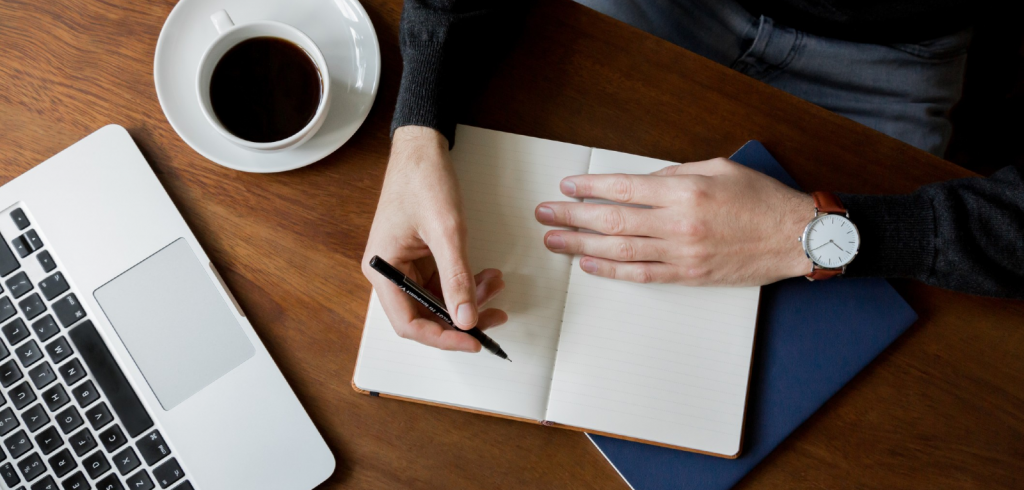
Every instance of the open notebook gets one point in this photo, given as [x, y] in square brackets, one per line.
[662, 364]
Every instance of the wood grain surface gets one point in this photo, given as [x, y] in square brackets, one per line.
[942, 408]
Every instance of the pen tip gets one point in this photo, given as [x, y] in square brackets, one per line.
[507, 359]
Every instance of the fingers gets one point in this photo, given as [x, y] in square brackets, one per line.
[457, 282]
[603, 218]
[715, 166]
[488, 284]
[625, 188]
[620, 248]
[642, 272]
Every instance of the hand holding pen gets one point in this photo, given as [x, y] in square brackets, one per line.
[489, 284]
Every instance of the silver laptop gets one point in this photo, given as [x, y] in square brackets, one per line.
[125, 364]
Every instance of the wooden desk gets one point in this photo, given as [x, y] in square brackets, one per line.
[942, 408]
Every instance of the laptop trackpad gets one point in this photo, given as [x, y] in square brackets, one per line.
[179, 330]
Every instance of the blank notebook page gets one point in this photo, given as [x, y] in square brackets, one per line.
[503, 177]
[657, 362]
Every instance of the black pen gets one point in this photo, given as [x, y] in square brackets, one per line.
[432, 303]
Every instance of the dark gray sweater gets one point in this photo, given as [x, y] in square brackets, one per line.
[965, 235]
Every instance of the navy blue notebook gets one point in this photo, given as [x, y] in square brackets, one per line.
[811, 339]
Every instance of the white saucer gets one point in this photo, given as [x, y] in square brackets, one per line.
[340, 28]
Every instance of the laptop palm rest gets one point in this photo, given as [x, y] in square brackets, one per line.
[175, 323]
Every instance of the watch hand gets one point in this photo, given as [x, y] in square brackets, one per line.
[837, 246]
[819, 246]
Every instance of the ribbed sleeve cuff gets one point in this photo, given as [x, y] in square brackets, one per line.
[897, 235]
[420, 97]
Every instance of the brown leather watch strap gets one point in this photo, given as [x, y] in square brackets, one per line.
[822, 274]
[827, 202]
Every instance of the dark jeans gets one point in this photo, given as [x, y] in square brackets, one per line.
[903, 90]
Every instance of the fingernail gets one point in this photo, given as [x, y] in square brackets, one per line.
[465, 315]
[545, 214]
[568, 187]
[556, 242]
[589, 266]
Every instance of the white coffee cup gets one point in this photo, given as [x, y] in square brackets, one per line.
[230, 35]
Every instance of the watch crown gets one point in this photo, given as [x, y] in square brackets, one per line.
[800, 239]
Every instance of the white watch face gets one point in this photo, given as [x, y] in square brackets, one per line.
[831, 240]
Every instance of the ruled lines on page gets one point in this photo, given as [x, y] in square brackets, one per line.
[657, 362]
[502, 178]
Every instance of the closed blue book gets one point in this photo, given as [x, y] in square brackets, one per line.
[812, 338]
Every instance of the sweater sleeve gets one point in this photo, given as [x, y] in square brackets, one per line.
[445, 45]
[965, 234]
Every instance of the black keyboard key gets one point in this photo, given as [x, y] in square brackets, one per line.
[8, 421]
[53, 286]
[59, 350]
[96, 464]
[139, 481]
[72, 372]
[76, 482]
[46, 483]
[46, 261]
[68, 310]
[28, 353]
[6, 309]
[32, 306]
[21, 246]
[15, 331]
[30, 240]
[10, 475]
[8, 263]
[49, 440]
[85, 394]
[110, 482]
[42, 375]
[56, 398]
[69, 419]
[18, 444]
[35, 418]
[185, 485]
[31, 467]
[45, 328]
[22, 395]
[126, 461]
[3, 351]
[153, 448]
[99, 416]
[9, 373]
[82, 442]
[62, 463]
[168, 473]
[20, 219]
[110, 378]
[19, 285]
[112, 438]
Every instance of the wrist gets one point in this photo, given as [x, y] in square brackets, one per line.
[798, 214]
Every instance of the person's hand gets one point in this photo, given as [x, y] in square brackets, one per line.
[419, 228]
[709, 223]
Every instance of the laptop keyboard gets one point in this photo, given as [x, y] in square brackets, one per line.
[69, 419]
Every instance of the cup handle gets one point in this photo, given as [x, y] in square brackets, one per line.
[222, 21]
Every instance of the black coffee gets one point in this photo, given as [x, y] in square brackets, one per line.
[265, 89]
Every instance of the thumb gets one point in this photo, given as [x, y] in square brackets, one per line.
[457, 282]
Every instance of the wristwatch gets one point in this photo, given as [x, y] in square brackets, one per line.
[830, 240]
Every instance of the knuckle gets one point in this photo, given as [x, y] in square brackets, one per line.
[451, 226]
[623, 188]
[625, 251]
[691, 228]
[613, 221]
[643, 275]
[568, 217]
[460, 280]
